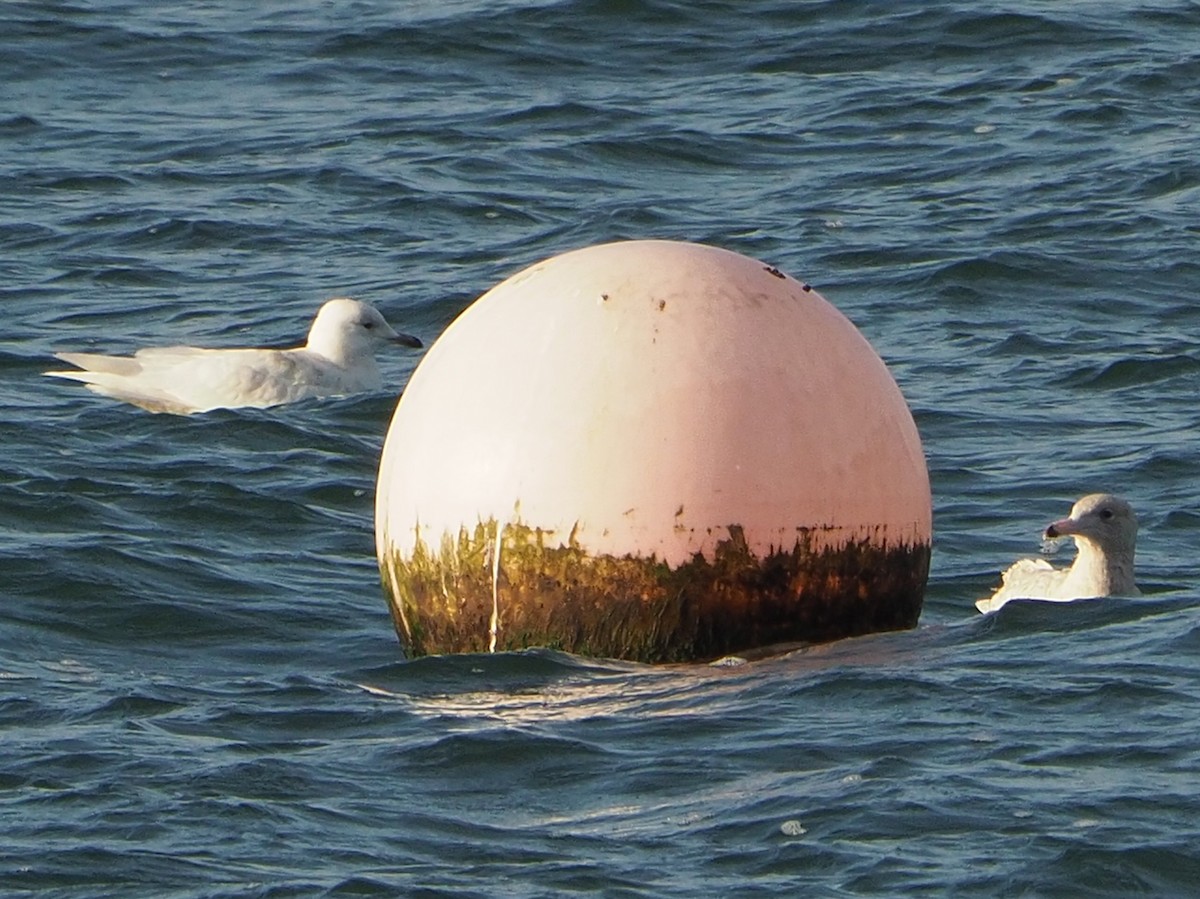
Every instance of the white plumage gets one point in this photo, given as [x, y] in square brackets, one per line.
[338, 359]
[1105, 531]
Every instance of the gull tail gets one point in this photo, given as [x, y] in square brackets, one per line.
[123, 366]
[116, 377]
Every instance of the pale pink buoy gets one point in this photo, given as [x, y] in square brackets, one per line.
[651, 450]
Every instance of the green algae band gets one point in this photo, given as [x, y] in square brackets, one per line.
[462, 598]
[656, 451]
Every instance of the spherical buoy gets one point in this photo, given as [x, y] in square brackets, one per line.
[656, 451]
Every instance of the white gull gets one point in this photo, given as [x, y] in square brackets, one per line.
[1105, 531]
[338, 359]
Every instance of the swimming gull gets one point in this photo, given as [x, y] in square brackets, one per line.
[338, 359]
[1105, 531]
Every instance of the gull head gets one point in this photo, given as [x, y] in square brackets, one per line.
[1101, 519]
[346, 329]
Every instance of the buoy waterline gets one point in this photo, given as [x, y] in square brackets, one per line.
[655, 451]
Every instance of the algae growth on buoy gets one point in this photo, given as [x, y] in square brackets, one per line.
[655, 451]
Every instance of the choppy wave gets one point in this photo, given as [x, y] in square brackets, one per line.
[200, 690]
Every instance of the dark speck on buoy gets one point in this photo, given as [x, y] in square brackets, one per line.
[662, 304]
[774, 271]
[806, 287]
[604, 297]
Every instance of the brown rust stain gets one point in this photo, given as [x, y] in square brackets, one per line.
[559, 596]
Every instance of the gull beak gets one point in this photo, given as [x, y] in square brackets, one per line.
[1064, 527]
[406, 340]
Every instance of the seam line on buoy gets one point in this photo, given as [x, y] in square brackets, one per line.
[494, 626]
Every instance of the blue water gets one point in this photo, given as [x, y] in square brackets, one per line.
[201, 694]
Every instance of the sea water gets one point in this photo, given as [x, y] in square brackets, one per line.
[201, 694]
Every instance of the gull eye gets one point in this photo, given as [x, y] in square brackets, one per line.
[1106, 514]
[370, 325]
